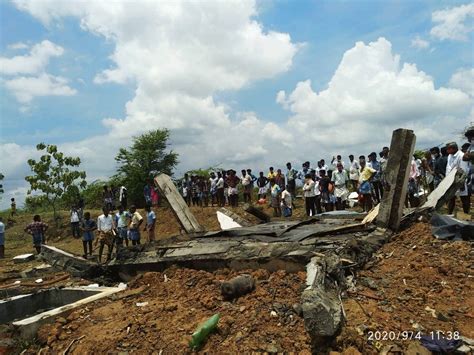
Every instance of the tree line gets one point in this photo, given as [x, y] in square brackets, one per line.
[56, 181]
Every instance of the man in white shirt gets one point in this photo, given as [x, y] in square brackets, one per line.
[106, 233]
[246, 181]
[123, 196]
[454, 162]
[354, 172]
[220, 190]
[340, 179]
[213, 188]
[309, 196]
[76, 233]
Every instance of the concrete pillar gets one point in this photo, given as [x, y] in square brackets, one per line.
[396, 176]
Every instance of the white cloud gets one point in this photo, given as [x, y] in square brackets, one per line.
[370, 94]
[32, 63]
[26, 88]
[27, 76]
[463, 80]
[180, 54]
[18, 46]
[453, 23]
[419, 43]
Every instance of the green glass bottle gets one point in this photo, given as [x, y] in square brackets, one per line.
[202, 332]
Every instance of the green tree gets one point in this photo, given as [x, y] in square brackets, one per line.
[147, 157]
[53, 174]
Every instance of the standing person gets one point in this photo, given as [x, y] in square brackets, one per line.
[354, 172]
[122, 219]
[154, 194]
[291, 175]
[309, 195]
[412, 184]
[150, 223]
[438, 172]
[233, 182]
[427, 173]
[271, 174]
[186, 188]
[340, 179]
[442, 162]
[88, 227]
[326, 187]
[38, 230]
[80, 207]
[74, 214]
[252, 183]
[220, 190]
[134, 227]
[336, 160]
[147, 193]
[280, 180]
[455, 161]
[365, 189]
[304, 171]
[376, 181]
[246, 181]
[113, 193]
[195, 192]
[204, 187]
[105, 230]
[123, 197]
[2, 239]
[107, 196]
[213, 188]
[262, 182]
[226, 187]
[323, 165]
[286, 203]
[275, 193]
[12, 207]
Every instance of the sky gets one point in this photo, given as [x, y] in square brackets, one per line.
[239, 84]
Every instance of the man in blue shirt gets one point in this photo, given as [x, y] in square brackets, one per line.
[150, 223]
[88, 226]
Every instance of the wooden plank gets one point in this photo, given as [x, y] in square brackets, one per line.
[179, 207]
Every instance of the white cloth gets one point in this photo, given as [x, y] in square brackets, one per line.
[105, 224]
[74, 217]
[317, 192]
[213, 183]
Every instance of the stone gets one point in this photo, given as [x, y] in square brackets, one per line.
[415, 348]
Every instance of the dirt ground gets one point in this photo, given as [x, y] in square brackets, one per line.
[414, 283]
[410, 273]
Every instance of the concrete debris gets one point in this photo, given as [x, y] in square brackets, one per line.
[23, 258]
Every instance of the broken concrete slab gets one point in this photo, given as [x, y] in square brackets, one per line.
[446, 189]
[257, 212]
[178, 205]
[63, 260]
[396, 177]
[62, 300]
[23, 258]
[242, 222]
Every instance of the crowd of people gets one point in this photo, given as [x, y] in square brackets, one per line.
[327, 187]
[323, 188]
